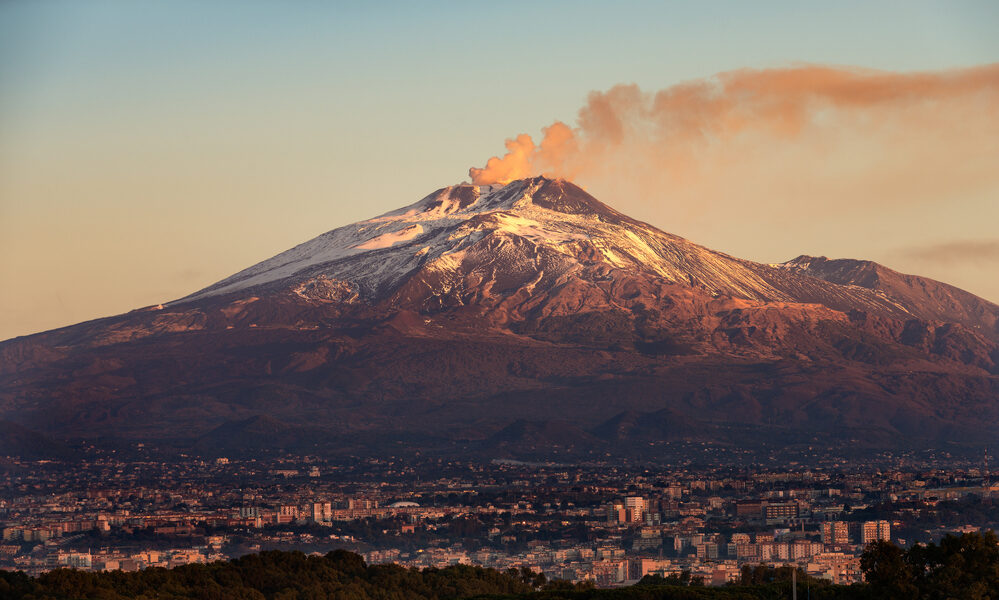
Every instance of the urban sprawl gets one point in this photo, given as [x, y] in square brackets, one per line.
[599, 521]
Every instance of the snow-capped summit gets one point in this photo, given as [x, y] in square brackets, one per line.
[375, 253]
[487, 242]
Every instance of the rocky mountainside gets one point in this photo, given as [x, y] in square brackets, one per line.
[527, 316]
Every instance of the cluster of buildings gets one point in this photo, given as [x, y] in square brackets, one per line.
[115, 560]
[640, 540]
[607, 523]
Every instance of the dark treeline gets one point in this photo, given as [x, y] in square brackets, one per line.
[279, 576]
[960, 566]
[964, 567]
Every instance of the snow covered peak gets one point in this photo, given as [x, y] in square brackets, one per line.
[470, 225]
[342, 252]
[556, 195]
[466, 240]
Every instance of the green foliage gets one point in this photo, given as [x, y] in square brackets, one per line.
[682, 579]
[14, 584]
[562, 585]
[961, 567]
[887, 570]
[270, 575]
[766, 574]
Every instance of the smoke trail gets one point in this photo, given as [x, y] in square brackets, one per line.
[670, 132]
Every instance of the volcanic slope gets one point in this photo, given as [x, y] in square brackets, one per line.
[444, 323]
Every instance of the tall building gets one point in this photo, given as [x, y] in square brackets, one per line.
[875, 530]
[707, 550]
[640, 567]
[635, 505]
[835, 532]
[749, 508]
[249, 512]
[616, 513]
[322, 512]
[780, 511]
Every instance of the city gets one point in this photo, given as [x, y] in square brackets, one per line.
[606, 523]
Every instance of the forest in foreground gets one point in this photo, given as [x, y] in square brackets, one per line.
[962, 567]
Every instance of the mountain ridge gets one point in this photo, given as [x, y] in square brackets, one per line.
[478, 307]
[331, 261]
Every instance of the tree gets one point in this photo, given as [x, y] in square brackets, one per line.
[888, 571]
[960, 567]
[682, 579]
[347, 562]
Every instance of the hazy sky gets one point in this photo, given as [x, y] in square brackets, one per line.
[148, 149]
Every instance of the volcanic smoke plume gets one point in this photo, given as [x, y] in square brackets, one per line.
[678, 132]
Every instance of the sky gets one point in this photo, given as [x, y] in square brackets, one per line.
[149, 149]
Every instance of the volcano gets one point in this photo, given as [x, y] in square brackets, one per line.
[529, 315]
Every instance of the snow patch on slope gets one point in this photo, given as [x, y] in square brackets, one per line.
[392, 238]
[533, 229]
